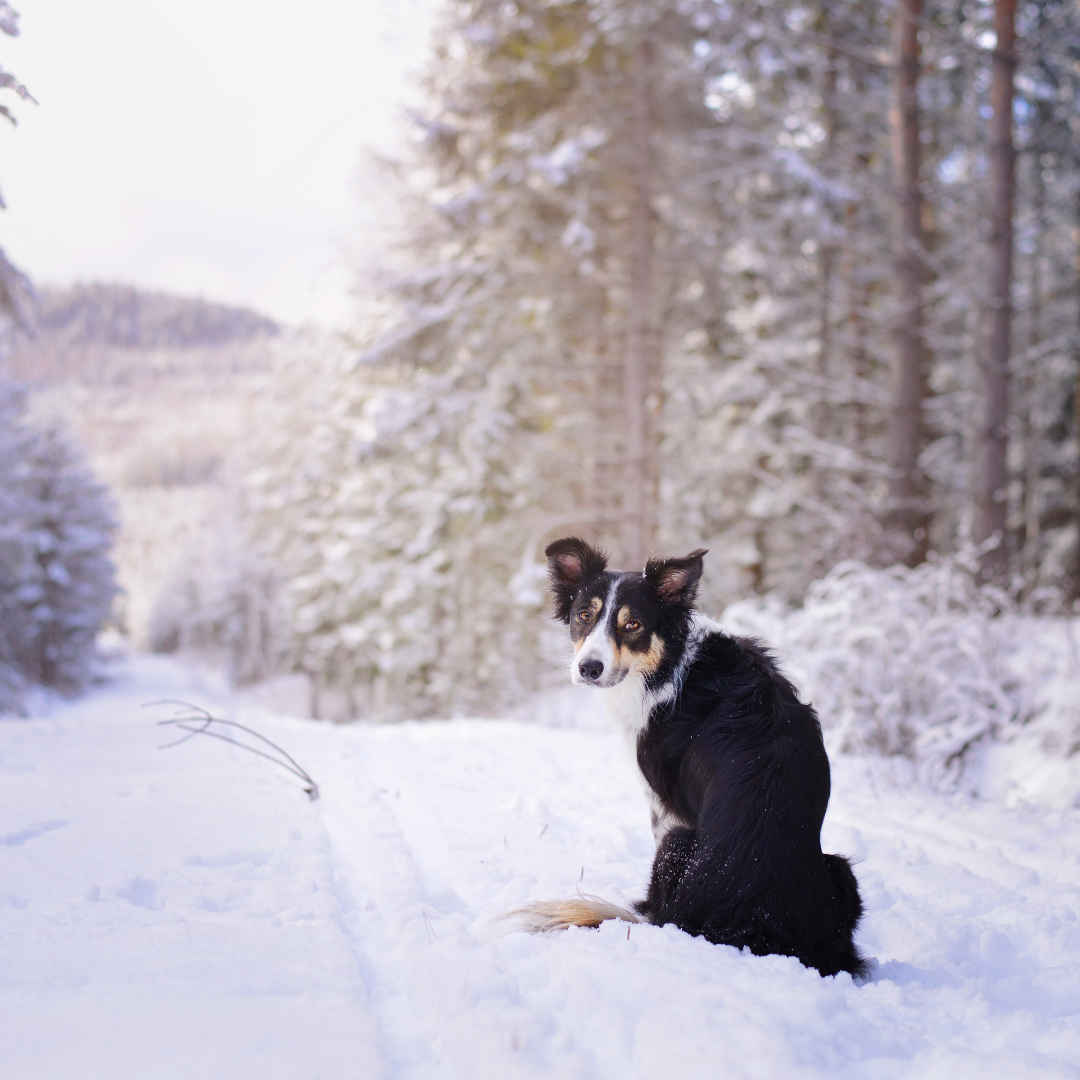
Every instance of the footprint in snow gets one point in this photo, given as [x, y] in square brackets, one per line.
[17, 839]
[142, 893]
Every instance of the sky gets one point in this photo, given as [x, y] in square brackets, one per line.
[210, 147]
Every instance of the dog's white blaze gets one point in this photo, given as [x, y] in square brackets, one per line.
[599, 644]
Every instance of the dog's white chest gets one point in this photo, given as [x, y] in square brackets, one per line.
[627, 707]
[627, 710]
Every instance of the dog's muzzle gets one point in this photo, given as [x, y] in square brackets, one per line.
[595, 672]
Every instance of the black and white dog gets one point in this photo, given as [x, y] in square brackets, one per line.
[736, 770]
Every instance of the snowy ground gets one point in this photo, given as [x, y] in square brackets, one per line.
[190, 913]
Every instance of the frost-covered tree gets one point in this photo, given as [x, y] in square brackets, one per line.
[56, 580]
[658, 225]
[490, 409]
[15, 289]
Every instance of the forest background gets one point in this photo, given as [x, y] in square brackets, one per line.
[793, 282]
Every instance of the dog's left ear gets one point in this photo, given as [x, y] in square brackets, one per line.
[677, 579]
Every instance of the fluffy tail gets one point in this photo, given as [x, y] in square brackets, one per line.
[543, 916]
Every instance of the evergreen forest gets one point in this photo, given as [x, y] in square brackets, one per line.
[793, 282]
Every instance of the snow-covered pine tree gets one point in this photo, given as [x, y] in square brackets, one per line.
[15, 289]
[1043, 536]
[490, 412]
[15, 440]
[774, 424]
[56, 580]
[1040, 544]
[490, 409]
[798, 400]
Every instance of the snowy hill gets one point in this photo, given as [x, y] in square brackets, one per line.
[97, 334]
[190, 912]
[158, 390]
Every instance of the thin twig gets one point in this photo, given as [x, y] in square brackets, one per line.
[205, 719]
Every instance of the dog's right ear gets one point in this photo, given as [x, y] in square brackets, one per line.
[571, 561]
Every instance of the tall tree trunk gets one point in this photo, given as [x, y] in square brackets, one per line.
[639, 345]
[990, 491]
[1032, 503]
[1074, 591]
[907, 513]
[827, 254]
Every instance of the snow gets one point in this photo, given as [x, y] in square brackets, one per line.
[189, 912]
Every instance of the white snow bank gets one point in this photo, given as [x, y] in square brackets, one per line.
[190, 913]
[923, 664]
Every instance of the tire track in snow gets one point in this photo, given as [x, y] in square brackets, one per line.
[446, 1002]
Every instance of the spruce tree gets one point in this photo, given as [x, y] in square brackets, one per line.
[56, 579]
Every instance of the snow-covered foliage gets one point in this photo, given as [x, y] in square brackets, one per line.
[365, 540]
[923, 663]
[16, 291]
[56, 578]
[381, 534]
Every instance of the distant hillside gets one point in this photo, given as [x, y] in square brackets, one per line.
[130, 318]
[106, 333]
[160, 390]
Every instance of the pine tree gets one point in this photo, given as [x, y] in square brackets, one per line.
[56, 580]
[659, 225]
[15, 289]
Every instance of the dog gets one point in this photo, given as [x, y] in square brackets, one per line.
[734, 765]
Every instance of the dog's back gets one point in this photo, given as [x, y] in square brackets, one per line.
[739, 762]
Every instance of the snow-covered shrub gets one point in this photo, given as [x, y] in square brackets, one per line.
[56, 579]
[373, 538]
[900, 661]
[223, 602]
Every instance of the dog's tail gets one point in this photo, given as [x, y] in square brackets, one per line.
[543, 916]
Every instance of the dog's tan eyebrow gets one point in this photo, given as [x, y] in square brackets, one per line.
[595, 604]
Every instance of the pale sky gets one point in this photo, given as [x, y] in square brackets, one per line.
[205, 147]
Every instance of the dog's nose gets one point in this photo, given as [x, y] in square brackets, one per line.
[591, 669]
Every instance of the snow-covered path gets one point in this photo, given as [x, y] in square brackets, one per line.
[191, 913]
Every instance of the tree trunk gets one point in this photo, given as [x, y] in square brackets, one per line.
[1074, 591]
[827, 254]
[635, 508]
[906, 509]
[990, 491]
[1032, 503]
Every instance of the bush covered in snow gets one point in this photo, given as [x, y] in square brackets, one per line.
[922, 663]
[369, 539]
[56, 578]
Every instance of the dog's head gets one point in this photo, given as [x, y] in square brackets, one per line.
[621, 623]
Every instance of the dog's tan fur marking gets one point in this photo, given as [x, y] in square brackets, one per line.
[643, 663]
[655, 654]
[595, 604]
[545, 916]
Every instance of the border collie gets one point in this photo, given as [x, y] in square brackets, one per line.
[734, 764]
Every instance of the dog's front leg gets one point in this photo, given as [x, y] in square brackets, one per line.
[673, 856]
[662, 819]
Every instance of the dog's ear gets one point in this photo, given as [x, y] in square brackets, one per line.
[677, 579]
[571, 561]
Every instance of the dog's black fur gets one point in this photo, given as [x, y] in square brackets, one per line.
[735, 760]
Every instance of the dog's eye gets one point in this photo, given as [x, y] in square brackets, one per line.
[584, 616]
[632, 624]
